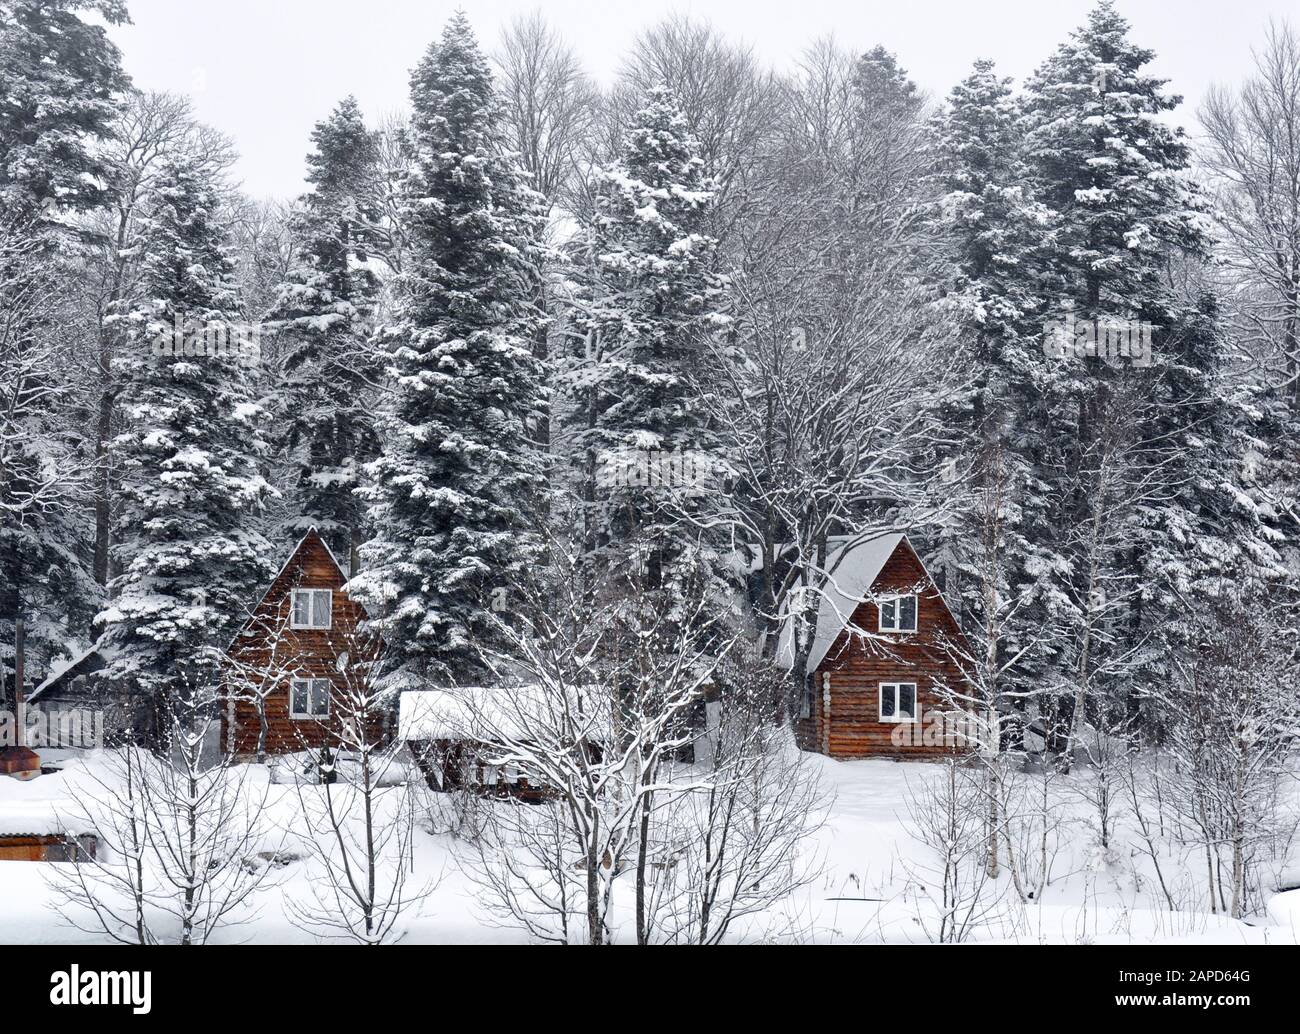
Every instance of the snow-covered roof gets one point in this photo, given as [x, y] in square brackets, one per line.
[852, 569]
[435, 714]
[481, 713]
[90, 659]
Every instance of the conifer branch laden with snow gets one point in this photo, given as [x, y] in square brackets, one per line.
[449, 496]
[189, 453]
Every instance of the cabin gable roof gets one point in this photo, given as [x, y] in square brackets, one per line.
[855, 574]
[310, 565]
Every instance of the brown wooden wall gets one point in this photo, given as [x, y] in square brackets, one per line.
[301, 653]
[857, 667]
[40, 848]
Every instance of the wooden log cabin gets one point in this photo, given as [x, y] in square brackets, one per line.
[882, 657]
[299, 662]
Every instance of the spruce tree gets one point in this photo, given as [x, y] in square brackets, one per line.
[43, 516]
[191, 562]
[1121, 446]
[988, 217]
[655, 300]
[59, 80]
[451, 497]
[324, 312]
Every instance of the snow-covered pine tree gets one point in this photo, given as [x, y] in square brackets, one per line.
[1111, 171]
[324, 312]
[655, 298]
[1212, 539]
[191, 564]
[988, 221]
[1119, 443]
[451, 497]
[1108, 172]
[43, 469]
[59, 78]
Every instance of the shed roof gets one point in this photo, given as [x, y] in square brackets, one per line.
[488, 713]
[87, 661]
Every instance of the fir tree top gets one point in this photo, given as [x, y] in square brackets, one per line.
[184, 257]
[451, 90]
[1109, 166]
[58, 81]
[467, 207]
[651, 208]
[344, 151]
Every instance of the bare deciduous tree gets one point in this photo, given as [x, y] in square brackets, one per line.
[550, 104]
[729, 100]
[1232, 711]
[179, 839]
[605, 693]
[110, 893]
[1252, 153]
[741, 844]
[203, 817]
[361, 810]
[946, 818]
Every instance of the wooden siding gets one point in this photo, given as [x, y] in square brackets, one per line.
[852, 727]
[301, 653]
[44, 848]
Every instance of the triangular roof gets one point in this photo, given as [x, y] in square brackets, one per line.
[95, 657]
[90, 660]
[853, 568]
[311, 533]
[311, 538]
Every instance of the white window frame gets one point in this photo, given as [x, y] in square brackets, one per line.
[313, 595]
[311, 689]
[898, 612]
[897, 718]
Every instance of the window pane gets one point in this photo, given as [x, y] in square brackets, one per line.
[321, 696]
[907, 700]
[907, 614]
[321, 619]
[887, 701]
[298, 697]
[888, 617]
[301, 607]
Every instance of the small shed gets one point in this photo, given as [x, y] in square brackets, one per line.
[82, 709]
[452, 733]
[47, 847]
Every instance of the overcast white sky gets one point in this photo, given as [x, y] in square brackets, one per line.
[264, 71]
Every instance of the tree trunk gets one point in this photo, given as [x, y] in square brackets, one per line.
[642, 854]
[993, 818]
[103, 488]
[595, 927]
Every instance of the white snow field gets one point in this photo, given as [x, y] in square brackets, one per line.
[875, 882]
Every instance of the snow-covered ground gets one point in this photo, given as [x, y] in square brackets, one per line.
[875, 881]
